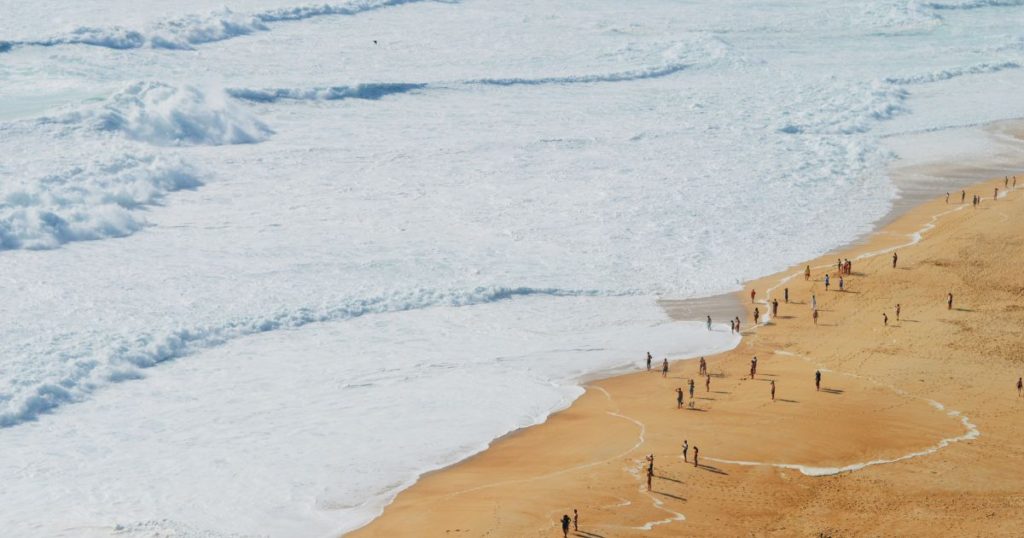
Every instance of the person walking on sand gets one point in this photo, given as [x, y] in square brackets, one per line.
[649, 357]
[807, 273]
[815, 316]
[575, 520]
[686, 448]
[827, 282]
[650, 475]
[897, 311]
[947, 197]
[1020, 387]
[664, 367]
[839, 266]
[785, 295]
[963, 195]
[775, 308]
[995, 195]
[842, 284]
[679, 398]
[703, 366]
[817, 380]
[707, 383]
[753, 293]
[757, 316]
[565, 525]
[709, 323]
[814, 302]
[885, 319]
[692, 384]
[773, 390]
[696, 453]
[949, 301]
[895, 257]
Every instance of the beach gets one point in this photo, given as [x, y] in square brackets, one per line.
[915, 429]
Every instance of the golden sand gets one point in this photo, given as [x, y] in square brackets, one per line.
[917, 429]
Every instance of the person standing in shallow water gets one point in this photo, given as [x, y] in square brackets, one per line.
[817, 380]
[709, 323]
[649, 357]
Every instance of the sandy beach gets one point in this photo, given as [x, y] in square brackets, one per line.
[915, 430]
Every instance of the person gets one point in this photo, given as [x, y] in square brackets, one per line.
[709, 323]
[1020, 387]
[650, 463]
[815, 316]
[785, 295]
[707, 383]
[839, 266]
[692, 384]
[949, 301]
[842, 284]
[664, 367]
[703, 366]
[649, 357]
[1006, 181]
[814, 302]
[775, 308]
[737, 324]
[947, 197]
[686, 448]
[817, 380]
[757, 316]
[963, 194]
[679, 398]
[773, 390]
[696, 452]
[752, 294]
[732, 326]
[575, 520]
[565, 525]
[995, 195]
[894, 258]
[807, 273]
[755, 364]
[827, 282]
[650, 475]
[897, 311]
[753, 367]
[885, 319]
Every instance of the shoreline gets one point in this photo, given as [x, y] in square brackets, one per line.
[883, 238]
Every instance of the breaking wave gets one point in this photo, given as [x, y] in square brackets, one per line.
[98, 200]
[946, 74]
[165, 115]
[75, 377]
[186, 32]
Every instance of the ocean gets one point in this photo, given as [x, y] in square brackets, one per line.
[263, 265]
